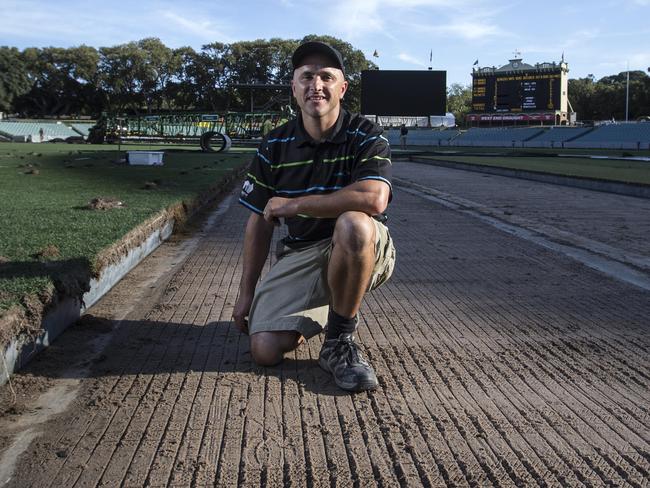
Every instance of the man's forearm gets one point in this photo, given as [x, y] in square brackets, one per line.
[334, 204]
[370, 197]
[257, 241]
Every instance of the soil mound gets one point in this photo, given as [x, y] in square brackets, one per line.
[105, 203]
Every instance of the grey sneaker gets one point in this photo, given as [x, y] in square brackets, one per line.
[350, 370]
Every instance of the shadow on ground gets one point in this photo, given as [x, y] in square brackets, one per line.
[162, 348]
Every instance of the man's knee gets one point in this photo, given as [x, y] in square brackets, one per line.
[354, 232]
[268, 348]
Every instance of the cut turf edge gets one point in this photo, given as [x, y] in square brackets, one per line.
[27, 329]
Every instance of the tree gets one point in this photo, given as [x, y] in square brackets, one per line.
[63, 80]
[459, 101]
[14, 78]
[158, 66]
[180, 91]
[581, 95]
[119, 78]
[134, 75]
[605, 99]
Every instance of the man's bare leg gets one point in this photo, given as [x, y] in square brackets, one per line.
[348, 274]
[269, 348]
[349, 271]
[351, 262]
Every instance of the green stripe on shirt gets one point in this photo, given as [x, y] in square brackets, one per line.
[310, 161]
[375, 157]
[259, 182]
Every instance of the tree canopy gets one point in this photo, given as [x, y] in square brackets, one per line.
[605, 98]
[146, 76]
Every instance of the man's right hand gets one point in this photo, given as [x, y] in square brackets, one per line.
[241, 311]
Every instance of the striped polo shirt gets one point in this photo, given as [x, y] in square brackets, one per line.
[289, 163]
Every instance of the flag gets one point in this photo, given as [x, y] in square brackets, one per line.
[431, 56]
[475, 63]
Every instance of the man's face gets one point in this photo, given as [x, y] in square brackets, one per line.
[318, 87]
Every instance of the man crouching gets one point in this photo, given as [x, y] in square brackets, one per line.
[327, 174]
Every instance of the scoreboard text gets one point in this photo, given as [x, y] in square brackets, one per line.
[516, 93]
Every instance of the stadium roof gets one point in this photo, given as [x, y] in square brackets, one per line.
[515, 65]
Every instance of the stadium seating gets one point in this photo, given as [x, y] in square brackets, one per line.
[29, 131]
[498, 137]
[422, 137]
[556, 137]
[82, 128]
[615, 136]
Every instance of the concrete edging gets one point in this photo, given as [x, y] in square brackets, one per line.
[620, 188]
[22, 349]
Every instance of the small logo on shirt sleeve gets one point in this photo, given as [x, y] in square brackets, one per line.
[247, 188]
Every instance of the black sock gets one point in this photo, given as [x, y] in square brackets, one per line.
[337, 325]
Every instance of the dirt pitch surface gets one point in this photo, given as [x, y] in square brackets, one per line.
[501, 363]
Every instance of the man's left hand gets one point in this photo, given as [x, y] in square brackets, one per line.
[279, 207]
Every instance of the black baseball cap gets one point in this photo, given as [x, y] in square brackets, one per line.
[316, 47]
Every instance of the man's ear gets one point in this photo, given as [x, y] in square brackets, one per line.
[344, 88]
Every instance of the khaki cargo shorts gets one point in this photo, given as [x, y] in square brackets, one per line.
[294, 295]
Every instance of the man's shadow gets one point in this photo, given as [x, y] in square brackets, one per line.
[95, 347]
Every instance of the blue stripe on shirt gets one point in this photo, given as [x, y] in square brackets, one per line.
[379, 178]
[251, 207]
[307, 190]
[277, 139]
[356, 131]
[372, 139]
[264, 158]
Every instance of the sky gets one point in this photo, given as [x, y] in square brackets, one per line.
[599, 37]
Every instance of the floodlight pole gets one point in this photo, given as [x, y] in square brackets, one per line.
[627, 92]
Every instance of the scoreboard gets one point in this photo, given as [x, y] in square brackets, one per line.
[511, 92]
[396, 92]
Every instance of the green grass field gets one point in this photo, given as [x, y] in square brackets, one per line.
[532, 151]
[46, 228]
[604, 169]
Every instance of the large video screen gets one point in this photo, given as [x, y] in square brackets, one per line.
[403, 92]
[516, 93]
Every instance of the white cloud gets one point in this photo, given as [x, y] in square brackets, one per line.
[359, 18]
[362, 17]
[471, 30]
[200, 29]
[407, 58]
[640, 60]
[581, 37]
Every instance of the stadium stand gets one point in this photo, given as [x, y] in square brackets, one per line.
[615, 136]
[556, 137]
[82, 129]
[29, 131]
[422, 137]
[498, 137]
[392, 121]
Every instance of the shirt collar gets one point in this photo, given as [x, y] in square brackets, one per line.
[337, 136]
